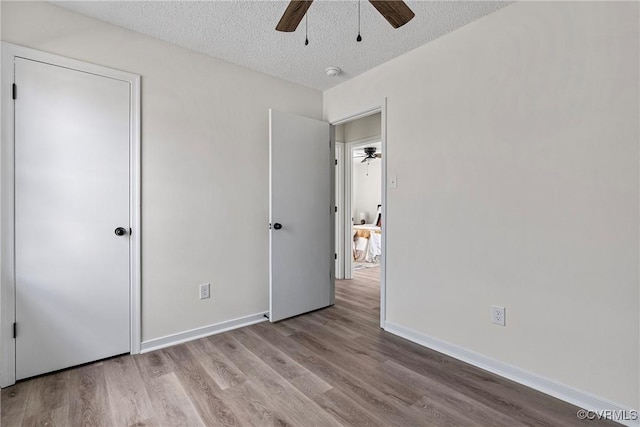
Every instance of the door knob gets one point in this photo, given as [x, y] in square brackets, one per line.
[120, 231]
[277, 226]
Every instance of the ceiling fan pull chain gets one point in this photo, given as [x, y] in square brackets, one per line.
[396, 12]
[359, 38]
[306, 29]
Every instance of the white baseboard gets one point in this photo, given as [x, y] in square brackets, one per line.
[205, 331]
[553, 388]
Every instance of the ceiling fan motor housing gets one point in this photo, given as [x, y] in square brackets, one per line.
[370, 152]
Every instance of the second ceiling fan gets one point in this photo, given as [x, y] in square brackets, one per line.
[396, 12]
[369, 154]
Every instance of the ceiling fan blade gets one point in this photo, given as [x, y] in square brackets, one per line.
[396, 12]
[364, 160]
[293, 15]
[379, 155]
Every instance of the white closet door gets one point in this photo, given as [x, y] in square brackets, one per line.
[71, 193]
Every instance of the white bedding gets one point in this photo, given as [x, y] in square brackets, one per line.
[367, 243]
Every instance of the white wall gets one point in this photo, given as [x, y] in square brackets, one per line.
[204, 163]
[362, 128]
[367, 194]
[366, 189]
[339, 133]
[365, 127]
[515, 143]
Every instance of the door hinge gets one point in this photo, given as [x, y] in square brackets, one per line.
[130, 231]
[335, 209]
[335, 256]
[15, 91]
[14, 329]
[336, 162]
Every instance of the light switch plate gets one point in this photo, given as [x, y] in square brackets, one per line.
[204, 290]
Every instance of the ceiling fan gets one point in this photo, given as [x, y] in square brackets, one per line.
[369, 154]
[396, 12]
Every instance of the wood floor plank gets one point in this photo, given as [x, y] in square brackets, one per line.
[303, 379]
[360, 353]
[48, 393]
[310, 384]
[14, 401]
[13, 419]
[90, 403]
[436, 416]
[299, 323]
[146, 423]
[283, 328]
[359, 309]
[350, 346]
[171, 404]
[297, 406]
[350, 321]
[346, 409]
[385, 406]
[217, 365]
[365, 366]
[254, 408]
[336, 327]
[331, 367]
[57, 417]
[502, 395]
[453, 407]
[152, 364]
[129, 400]
[363, 319]
[200, 387]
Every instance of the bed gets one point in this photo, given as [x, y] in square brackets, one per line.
[367, 243]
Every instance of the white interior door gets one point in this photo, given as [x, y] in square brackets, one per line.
[71, 193]
[301, 215]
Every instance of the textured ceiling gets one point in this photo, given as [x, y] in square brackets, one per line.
[243, 32]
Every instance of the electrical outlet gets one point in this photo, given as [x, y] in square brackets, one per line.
[204, 291]
[497, 315]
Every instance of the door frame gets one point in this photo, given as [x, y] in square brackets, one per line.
[351, 147]
[340, 206]
[7, 197]
[382, 109]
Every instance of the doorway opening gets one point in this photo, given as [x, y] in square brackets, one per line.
[359, 223]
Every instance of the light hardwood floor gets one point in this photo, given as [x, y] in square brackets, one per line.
[328, 368]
